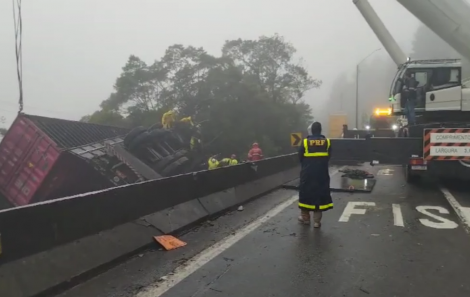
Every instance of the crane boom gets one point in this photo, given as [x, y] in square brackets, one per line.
[382, 33]
[448, 19]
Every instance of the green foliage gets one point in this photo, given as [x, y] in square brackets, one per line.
[252, 92]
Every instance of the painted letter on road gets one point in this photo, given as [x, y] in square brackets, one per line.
[442, 223]
[397, 215]
[351, 209]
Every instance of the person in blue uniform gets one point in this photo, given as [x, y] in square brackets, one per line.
[314, 187]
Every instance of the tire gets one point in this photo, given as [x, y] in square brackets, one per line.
[176, 137]
[175, 166]
[132, 135]
[137, 141]
[159, 133]
[155, 127]
[160, 166]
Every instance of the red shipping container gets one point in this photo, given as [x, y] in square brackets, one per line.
[34, 146]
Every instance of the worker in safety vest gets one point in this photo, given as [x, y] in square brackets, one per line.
[229, 161]
[188, 120]
[194, 143]
[168, 119]
[213, 163]
[314, 187]
[255, 153]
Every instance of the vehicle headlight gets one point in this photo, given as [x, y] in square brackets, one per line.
[367, 127]
[394, 127]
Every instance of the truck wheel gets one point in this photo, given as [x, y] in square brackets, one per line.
[410, 177]
[176, 137]
[168, 159]
[139, 140]
[175, 167]
[133, 134]
[155, 126]
[159, 133]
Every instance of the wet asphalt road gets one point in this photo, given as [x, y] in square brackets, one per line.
[424, 252]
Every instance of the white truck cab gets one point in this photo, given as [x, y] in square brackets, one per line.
[439, 88]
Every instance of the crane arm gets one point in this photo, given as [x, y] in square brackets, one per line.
[449, 19]
[382, 33]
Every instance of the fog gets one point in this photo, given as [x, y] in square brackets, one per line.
[73, 50]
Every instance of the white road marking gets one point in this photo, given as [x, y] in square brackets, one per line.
[386, 171]
[159, 288]
[350, 210]
[443, 222]
[462, 212]
[397, 215]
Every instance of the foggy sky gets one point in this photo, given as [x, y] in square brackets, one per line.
[73, 50]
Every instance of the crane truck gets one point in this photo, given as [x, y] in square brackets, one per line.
[439, 143]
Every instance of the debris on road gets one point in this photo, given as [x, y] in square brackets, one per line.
[169, 242]
[356, 173]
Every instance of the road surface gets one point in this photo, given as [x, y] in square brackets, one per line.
[400, 240]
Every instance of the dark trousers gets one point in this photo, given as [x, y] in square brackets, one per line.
[410, 112]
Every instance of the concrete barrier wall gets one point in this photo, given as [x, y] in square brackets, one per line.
[64, 262]
[38, 227]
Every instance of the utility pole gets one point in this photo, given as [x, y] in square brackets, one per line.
[357, 86]
[357, 95]
[341, 101]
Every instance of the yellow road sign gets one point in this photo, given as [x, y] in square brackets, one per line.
[295, 139]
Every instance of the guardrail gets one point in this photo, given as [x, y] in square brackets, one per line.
[89, 230]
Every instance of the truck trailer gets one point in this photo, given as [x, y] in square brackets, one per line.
[45, 158]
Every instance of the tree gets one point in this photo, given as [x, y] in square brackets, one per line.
[269, 60]
[105, 117]
[235, 101]
[139, 87]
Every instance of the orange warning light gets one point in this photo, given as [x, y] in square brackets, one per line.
[383, 111]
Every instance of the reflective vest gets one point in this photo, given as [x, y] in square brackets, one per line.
[168, 119]
[188, 120]
[316, 147]
[213, 163]
[194, 142]
[233, 162]
[229, 161]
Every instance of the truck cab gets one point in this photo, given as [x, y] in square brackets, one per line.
[439, 86]
[382, 119]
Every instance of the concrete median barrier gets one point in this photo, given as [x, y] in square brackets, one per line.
[177, 217]
[56, 242]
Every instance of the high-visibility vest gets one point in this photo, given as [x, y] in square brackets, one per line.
[233, 162]
[316, 147]
[167, 119]
[188, 120]
[213, 163]
[194, 142]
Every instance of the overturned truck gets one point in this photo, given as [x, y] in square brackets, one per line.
[46, 158]
[147, 153]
